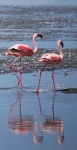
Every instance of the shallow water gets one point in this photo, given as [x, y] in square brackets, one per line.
[38, 121]
[18, 24]
[47, 120]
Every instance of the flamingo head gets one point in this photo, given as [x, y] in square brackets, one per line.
[61, 42]
[37, 35]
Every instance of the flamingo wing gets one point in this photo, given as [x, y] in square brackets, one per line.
[55, 57]
[50, 57]
[21, 47]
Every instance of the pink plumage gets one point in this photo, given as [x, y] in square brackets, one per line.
[21, 50]
[53, 59]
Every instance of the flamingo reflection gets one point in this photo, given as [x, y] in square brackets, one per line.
[24, 124]
[53, 125]
[37, 128]
[21, 124]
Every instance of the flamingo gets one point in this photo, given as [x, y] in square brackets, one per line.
[21, 50]
[53, 59]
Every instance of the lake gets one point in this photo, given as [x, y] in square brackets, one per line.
[47, 120]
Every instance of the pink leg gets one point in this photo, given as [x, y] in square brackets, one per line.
[53, 80]
[14, 71]
[21, 78]
[40, 78]
[20, 71]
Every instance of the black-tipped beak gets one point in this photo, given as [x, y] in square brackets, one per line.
[40, 35]
[62, 44]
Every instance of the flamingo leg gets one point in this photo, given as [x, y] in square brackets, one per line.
[20, 71]
[13, 69]
[53, 80]
[40, 78]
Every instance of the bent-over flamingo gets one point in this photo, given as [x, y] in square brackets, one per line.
[53, 59]
[21, 50]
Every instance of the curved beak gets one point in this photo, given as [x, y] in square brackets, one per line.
[62, 44]
[40, 35]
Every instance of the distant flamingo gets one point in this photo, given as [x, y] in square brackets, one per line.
[53, 59]
[21, 50]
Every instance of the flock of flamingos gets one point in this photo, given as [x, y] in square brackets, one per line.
[21, 50]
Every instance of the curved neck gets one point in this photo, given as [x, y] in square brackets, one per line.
[35, 44]
[60, 51]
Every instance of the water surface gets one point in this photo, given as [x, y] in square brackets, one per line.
[47, 120]
[18, 24]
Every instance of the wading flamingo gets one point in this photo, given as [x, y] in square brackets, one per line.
[53, 59]
[21, 50]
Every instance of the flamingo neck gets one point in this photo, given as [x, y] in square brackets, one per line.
[60, 51]
[35, 44]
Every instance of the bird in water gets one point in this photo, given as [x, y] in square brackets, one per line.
[53, 59]
[21, 50]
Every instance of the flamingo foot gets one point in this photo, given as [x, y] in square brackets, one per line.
[20, 82]
[37, 91]
[54, 89]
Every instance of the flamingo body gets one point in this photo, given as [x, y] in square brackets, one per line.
[21, 50]
[53, 59]
[50, 58]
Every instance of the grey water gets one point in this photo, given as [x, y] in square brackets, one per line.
[47, 120]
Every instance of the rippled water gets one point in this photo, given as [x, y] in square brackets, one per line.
[18, 24]
[45, 121]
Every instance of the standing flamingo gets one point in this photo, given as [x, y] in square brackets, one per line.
[21, 50]
[53, 59]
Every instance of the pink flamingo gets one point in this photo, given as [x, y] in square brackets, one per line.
[53, 59]
[21, 50]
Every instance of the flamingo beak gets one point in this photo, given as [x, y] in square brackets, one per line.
[62, 44]
[40, 35]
